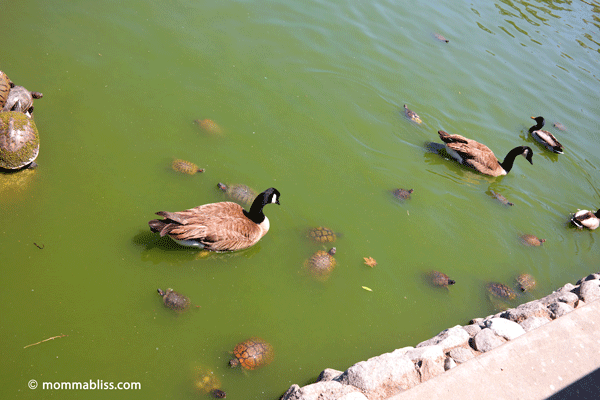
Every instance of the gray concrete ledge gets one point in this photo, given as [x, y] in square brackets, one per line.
[550, 361]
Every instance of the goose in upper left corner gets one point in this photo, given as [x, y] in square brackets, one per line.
[545, 138]
[479, 157]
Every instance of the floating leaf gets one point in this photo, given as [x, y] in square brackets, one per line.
[370, 261]
[366, 288]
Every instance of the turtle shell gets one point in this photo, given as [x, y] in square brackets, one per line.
[186, 167]
[21, 100]
[4, 88]
[530, 240]
[240, 193]
[402, 194]
[19, 140]
[500, 290]
[440, 38]
[501, 198]
[322, 234]
[174, 301]
[526, 282]
[205, 380]
[209, 126]
[321, 263]
[252, 354]
[560, 126]
[437, 278]
[412, 115]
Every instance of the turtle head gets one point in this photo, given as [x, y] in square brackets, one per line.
[161, 292]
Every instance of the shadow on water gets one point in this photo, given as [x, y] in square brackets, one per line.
[585, 388]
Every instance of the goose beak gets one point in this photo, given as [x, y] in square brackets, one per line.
[532, 117]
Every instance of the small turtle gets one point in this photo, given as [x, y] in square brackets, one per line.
[174, 301]
[186, 167]
[252, 354]
[530, 240]
[240, 193]
[19, 140]
[205, 380]
[321, 263]
[402, 194]
[440, 38]
[501, 198]
[21, 100]
[560, 126]
[412, 115]
[322, 234]
[439, 279]
[525, 282]
[218, 394]
[209, 126]
[501, 291]
[5, 84]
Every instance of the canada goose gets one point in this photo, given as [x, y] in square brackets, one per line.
[545, 138]
[223, 226]
[479, 157]
[586, 219]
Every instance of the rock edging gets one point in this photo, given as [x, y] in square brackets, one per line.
[391, 373]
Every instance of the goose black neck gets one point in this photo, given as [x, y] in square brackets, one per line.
[256, 209]
[539, 124]
[509, 160]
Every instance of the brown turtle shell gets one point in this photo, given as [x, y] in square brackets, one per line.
[440, 38]
[174, 300]
[322, 234]
[501, 198]
[321, 263]
[412, 115]
[185, 167]
[402, 194]
[19, 140]
[526, 282]
[252, 354]
[530, 240]
[21, 100]
[500, 290]
[437, 278]
[239, 193]
[209, 126]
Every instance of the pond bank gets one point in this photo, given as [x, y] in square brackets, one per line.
[513, 354]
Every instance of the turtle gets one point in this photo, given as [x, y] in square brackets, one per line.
[21, 100]
[322, 234]
[209, 126]
[5, 84]
[559, 126]
[412, 115]
[439, 279]
[500, 290]
[239, 193]
[402, 194]
[174, 301]
[440, 38]
[525, 282]
[501, 198]
[205, 380]
[218, 394]
[186, 167]
[321, 263]
[252, 354]
[19, 140]
[530, 240]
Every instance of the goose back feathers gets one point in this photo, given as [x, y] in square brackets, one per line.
[586, 219]
[545, 138]
[479, 157]
[223, 226]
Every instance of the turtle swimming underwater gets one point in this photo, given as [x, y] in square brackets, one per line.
[209, 126]
[322, 234]
[206, 381]
[402, 194]
[321, 263]
[186, 167]
[239, 193]
[530, 240]
[440, 38]
[174, 301]
[21, 100]
[525, 282]
[500, 290]
[252, 354]
[439, 279]
[501, 198]
[19, 140]
[412, 115]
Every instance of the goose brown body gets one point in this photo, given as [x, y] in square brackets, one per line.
[545, 138]
[586, 219]
[479, 157]
[223, 226]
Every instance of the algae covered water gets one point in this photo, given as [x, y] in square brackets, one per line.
[309, 97]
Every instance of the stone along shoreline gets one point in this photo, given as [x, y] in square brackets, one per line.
[386, 375]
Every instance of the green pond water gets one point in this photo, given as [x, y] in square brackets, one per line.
[309, 96]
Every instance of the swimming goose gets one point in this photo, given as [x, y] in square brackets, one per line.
[223, 226]
[479, 157]
[545, 138]
[586, 219]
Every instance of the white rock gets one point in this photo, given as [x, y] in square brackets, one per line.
[505, 328]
